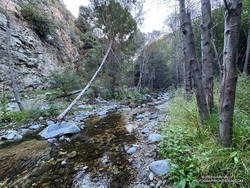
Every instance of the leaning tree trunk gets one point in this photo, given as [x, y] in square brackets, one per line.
[188, 35]
[64, 113]
[230, 60]
[12, 65]
[247, 60]
[207, 52]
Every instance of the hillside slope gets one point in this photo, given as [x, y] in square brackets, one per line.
[35, 56]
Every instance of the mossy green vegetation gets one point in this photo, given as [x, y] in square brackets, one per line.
[27, 116]
[195, 152]
[66, 80]
[38, 19]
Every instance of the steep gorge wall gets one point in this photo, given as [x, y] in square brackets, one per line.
[33, 56]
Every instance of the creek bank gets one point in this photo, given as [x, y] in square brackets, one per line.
[110, 150]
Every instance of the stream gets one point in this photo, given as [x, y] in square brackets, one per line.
[97, 157]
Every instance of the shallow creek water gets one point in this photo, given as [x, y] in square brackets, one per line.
[99, 150]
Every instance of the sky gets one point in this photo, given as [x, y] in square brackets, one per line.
[155, 12]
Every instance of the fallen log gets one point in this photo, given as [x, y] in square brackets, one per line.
[69, 94]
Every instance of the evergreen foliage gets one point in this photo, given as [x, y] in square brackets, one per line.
[38, 19]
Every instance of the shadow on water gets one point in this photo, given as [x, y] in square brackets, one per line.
[100, 147]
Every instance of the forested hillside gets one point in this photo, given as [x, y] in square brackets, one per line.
[96, 101]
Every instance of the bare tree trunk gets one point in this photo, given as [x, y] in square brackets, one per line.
[207, 52]
[145, 59]
[230, 60]
[64, 113]
[187, 78]
[247, 60]
[187, 72]
[187, 67]
[192, 59]
[12, 65]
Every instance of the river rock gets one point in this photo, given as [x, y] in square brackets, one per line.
[159, 183]
[52, 140]
[139, 116]
[62, 138]
[153, 116]
[49, 122]
[59, 129]
[160, 167]
[64, 162]
[12, 135]
[35, 127]
[154, 138]
[24, 131]
[84, 180]
[132, 150]
[145, 130]
[105, 160]
[151, 176]
[103, 113]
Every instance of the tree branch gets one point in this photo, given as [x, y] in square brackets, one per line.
[226, 5]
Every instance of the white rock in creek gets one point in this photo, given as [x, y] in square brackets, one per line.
[49, 122]
[52, 140]
[12, 135]
[24, 131]
[132, 150]
[35, 127]
[139, 116]
[153, 116]
[160, 167]
[59, 129]
[145, 130]
[151, 176]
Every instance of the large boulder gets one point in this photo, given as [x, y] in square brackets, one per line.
[160, 167]
[59, 129]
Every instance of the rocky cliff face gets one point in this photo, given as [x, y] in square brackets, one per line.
[33, 56]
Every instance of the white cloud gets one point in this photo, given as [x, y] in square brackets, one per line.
[156, 11]
[73, 5]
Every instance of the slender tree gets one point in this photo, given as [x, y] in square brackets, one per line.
[207, 52]
[115, 29]
[189, 42]
[230, 60]
[65, 112]
[247, 60]
[187, 67]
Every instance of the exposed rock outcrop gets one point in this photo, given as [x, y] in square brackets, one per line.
[33, 56]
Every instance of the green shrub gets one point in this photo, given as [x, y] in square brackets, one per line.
[38, 19]
[126, 93]
[27, 116]
[195, 152]
[66, 80]
[3, 106]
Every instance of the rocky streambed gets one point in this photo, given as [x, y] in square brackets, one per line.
[115, 146]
